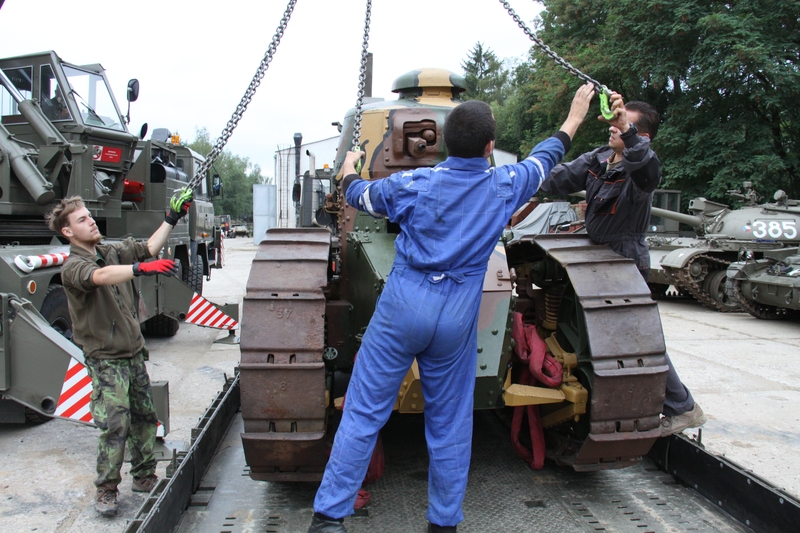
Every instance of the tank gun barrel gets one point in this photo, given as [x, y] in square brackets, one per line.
[691, 220]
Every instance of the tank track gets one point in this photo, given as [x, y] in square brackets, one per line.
[283, 391]
[614, 328]
[694, 285]
[758, 310]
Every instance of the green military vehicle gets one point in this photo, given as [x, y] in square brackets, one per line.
[62, 134]
[697, 264]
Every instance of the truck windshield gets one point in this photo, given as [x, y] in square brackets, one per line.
[93, 98]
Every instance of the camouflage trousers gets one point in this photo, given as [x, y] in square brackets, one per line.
[122, 407]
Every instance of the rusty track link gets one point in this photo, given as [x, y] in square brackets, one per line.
[694, 286]
[282, 371]
[614, 328]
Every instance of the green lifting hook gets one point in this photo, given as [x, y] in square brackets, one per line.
[605, 109]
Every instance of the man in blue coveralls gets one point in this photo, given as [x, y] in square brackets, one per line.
[450, 218]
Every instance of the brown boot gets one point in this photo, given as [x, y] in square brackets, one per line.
[105, 502]
[145, 484]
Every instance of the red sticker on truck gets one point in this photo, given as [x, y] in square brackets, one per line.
[107, 154]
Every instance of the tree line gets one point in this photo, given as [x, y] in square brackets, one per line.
[723, 75]
[238, 177]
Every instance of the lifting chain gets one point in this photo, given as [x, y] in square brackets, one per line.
[600, 89]
[222, 140]
[362, 79]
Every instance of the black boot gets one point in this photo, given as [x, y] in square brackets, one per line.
[433, 528]
[325, 524]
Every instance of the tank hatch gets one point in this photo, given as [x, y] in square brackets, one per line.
[429, 82]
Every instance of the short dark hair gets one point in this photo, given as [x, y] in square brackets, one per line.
[469, 128]
[649, 118]
[58, 218]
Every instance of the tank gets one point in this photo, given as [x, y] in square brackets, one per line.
[767, 288]
[696, 265]
[311, 292]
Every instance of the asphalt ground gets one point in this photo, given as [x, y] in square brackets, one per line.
[744, 372]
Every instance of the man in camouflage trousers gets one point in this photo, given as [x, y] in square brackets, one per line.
[98, 279]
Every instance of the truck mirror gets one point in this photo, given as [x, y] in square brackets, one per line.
[143, 131]
[216, 185]
[296, 193]
[133, 90]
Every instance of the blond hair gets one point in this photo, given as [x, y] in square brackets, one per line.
[58, 218]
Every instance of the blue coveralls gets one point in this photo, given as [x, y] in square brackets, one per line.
[450, 217]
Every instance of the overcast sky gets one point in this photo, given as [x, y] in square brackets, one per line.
[194, 59]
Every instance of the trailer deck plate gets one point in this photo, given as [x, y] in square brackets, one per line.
[504, 494]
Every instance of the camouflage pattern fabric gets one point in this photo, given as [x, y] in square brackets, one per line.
[122, 407]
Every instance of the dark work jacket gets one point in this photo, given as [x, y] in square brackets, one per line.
[105, 322]
[619, 200]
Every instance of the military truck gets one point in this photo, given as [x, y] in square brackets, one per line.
[62, 134]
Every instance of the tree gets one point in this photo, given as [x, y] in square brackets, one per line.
[485, 75]
[238, 177]
[723, 75]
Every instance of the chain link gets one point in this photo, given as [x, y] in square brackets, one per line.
[559, 61]
[362, 78]
[219, 144]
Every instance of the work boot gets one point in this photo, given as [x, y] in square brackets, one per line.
[690, 419]
[325, 524]
[145, 484]
[433, 528]
[105, 502]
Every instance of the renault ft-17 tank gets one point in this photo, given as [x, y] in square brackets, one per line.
[697, 265]
[312, 291]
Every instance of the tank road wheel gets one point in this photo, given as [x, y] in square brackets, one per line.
[714, 286]
[282, 373]
[608, 320]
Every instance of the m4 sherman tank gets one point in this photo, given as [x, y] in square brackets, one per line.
[312, 291]
[697, 265]
[767, 288]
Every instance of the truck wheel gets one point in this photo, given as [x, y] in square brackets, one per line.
[161, 326]
[193, 277]
[56, 310]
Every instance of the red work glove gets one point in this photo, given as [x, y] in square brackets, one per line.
[165, 267]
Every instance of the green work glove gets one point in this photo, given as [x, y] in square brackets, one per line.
[179, 205]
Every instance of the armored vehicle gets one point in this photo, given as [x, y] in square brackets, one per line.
[697, 265]
[767, 288]
[311, 293]
[62, 134]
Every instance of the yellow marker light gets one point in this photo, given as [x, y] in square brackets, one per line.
[31, 287]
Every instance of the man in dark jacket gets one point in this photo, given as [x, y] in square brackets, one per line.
[619, 180]
[98, 282]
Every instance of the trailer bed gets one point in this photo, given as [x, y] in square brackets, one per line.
[504, 494]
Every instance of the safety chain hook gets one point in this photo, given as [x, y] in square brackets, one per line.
[222, 140]
[600, 89]
[362, 80]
